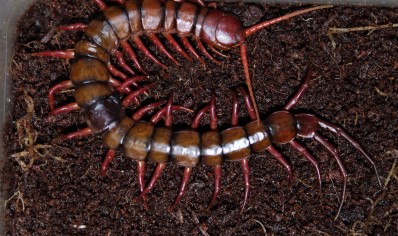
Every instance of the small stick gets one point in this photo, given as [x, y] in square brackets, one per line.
[334, 30]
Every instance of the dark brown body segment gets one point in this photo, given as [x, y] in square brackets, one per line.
[119, 21]
[89, 94]
[152, 15]
[137, 142]
[186, 18]
[258, 137]
[114, 137]
[211, 148]
[101, 32]
[90, 49]
[133, 9]
[282, 127]
[87, 70]
[160, 147]
[185, 149]
[235, 144]
[169, 17]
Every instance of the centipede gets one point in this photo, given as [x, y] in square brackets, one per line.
[133, 18]
[103, 99]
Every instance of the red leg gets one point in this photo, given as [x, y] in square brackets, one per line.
[158, 171]
[204, 51]
[196, 121]
[131, 81]
[64, 109]
[217, 184]
[296, 145]
[56, 54]
[116, 72]
[184, 183]
[116, 85]
[267, 23]
[77, 134]
[176, 46]
[243, 54]
[122, 62]
[340, 163]
[63, 85]
[110, 155]
[246, 176]
[297, 97]
[213, 113]
[162, 48]
[159, 115]
[234, 116]
[127, 48]
[217, 52]
[271, 149]
[77, 26]
[147, 53]
[248, 103]
[127, 101]
[141, 112]
[339, 131]
[191, 49]
[100, 4]
[141, 180]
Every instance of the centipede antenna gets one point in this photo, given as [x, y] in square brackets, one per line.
[253, 29]
[243, 53]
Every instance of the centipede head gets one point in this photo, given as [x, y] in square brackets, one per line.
[222, 30]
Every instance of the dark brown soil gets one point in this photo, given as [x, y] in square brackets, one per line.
[354, 85]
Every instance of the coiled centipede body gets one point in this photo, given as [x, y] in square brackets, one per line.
[133, 18]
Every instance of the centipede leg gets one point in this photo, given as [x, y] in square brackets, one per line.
[57, 54]
[272, 150]
[64, 109]
[184, 183]
[77, 26]
[60, 86]
[162, 48]
[141, 180]
[297, 96]
[204, 51]
[191, 49]
[127, 101]
[176, 46]
[296, 145]
[110, 155]
[77, 134]
[339, 131]
[116, 72]
[147, 53]
[100, 4]
[217, 185]
[248, 103]
[122, 62]
[244, 162]
[340, 163]
[130, 52]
